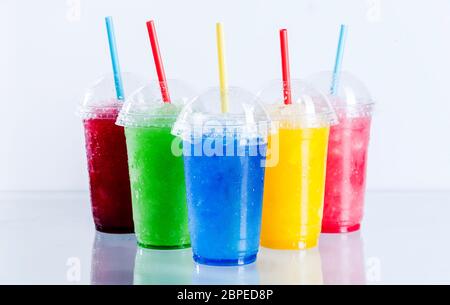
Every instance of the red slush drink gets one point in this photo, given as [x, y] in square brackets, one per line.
[108, 173]
[346, 174]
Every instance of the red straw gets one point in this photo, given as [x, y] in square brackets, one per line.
[285, 67]
[158, 61]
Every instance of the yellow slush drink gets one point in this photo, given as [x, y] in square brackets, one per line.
[294, 187]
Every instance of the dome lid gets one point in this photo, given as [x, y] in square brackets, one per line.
[351, 95]
[245, 118]
[309, 107]
[100, 99]
[145, 107]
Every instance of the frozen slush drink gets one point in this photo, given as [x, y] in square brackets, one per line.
[108, 173]
[347, 152]
[225, 202]
[346, 175]
[294, 188]
[296, 165]
[158, 188]
[224, 156]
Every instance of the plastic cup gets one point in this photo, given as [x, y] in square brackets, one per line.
[156, 173]
[347, 153]
[107, 156]
[113, 259]
[295, 172]
[224, 156]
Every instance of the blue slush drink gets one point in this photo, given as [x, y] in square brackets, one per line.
[224, 196]
[224, 158]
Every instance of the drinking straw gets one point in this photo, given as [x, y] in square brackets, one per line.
[338, 61]
[222, 67]
[114, 58]
[158, 61]
[285, 67]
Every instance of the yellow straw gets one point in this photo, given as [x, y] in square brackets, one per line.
[222, 68]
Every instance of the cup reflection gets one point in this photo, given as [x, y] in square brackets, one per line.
[229, 275]
[342, 258]
[290, 267]
[163, 267]
[113, 259]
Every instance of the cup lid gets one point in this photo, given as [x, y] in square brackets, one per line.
[100, 99]
[351, 95]
[309, 107]
[145, 107]
[245, 117]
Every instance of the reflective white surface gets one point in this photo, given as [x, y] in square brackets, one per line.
[50, 238]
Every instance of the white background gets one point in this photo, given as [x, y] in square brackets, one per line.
[50, 50]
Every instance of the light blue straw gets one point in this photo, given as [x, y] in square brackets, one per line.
[338, 61]
[114, 58]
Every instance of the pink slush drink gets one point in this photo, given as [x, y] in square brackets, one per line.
[346, 175]
[348, 142]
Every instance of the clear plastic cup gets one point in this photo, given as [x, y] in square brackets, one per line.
[156, 171]
[347, 152]
[295, 172]
[107, 155]
[224, 156]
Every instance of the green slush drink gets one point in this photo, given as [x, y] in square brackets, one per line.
[157, 188]
[158, 191]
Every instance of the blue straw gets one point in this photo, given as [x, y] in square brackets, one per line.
[338, 62]
[114, 58]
